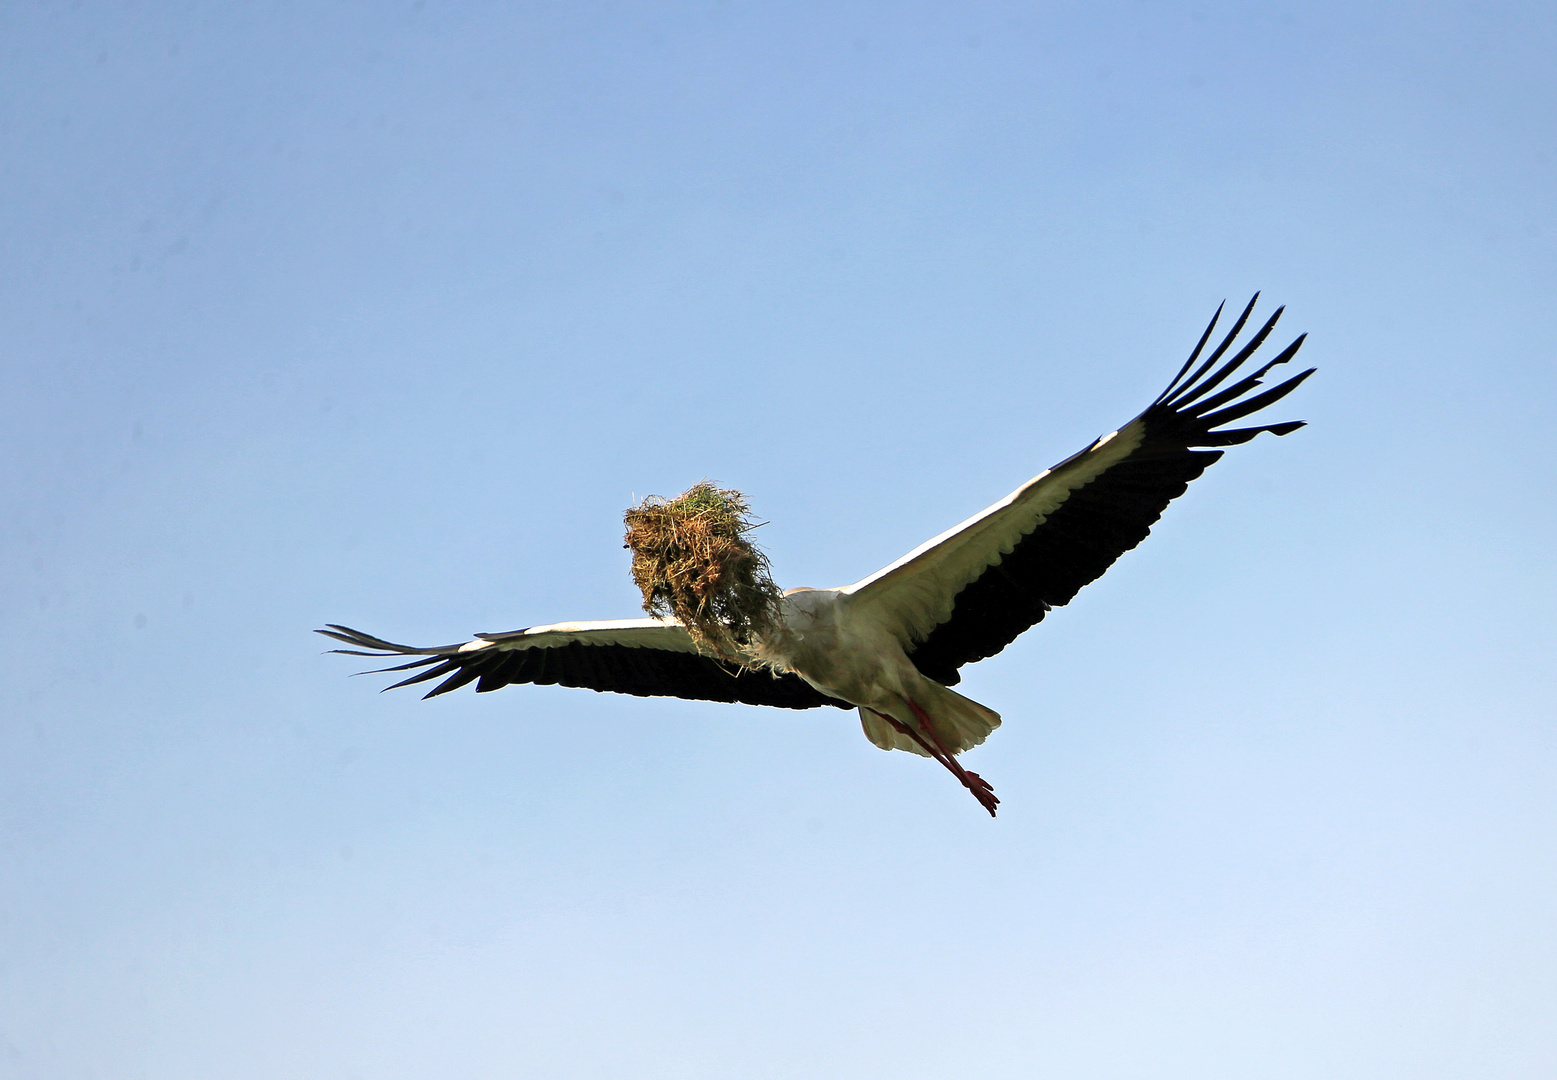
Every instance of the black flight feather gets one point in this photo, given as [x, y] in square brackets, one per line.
[639, 670]
[1103, 519]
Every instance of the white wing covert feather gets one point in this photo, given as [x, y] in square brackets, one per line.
[916, 593]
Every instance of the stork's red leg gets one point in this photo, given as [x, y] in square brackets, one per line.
[970, 780]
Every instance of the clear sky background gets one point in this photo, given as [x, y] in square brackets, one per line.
[383, 313]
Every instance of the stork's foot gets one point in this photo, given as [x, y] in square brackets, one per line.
[981, 790]
[932, 746]
[970, 780]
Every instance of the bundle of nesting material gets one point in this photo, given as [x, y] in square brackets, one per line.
[695, 563]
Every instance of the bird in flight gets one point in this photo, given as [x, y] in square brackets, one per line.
[891, 644]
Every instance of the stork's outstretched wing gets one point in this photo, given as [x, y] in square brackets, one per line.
[969, 592]
[645, 657]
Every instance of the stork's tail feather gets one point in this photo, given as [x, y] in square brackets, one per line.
[960, 723]
[887, 735]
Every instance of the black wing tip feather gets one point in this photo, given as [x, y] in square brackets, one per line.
[379, 646]
[1193, 412]
[1178, 385]
[357, 637]
[1195, 352]
[438, 662]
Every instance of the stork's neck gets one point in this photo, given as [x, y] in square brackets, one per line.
[803, 612]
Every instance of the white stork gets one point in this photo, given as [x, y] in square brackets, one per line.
[891, 643]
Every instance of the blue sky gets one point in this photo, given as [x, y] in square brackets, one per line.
[382, 314]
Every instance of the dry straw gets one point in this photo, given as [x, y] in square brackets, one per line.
[694, 562]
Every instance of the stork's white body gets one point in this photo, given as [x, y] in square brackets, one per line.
[847, 654]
